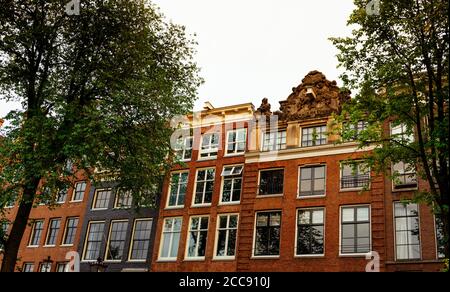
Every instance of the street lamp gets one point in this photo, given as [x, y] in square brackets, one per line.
[47, 265]
[98, 266]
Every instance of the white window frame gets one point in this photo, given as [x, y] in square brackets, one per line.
[341, 168]
[228, 215]
[209, 150]
[29, 264]
[254, 235]
[130, 250]
[340, 230]
[276, 137]
[118, 198]
[258, 195]
[49, 225]
[184, 148]
[395, 234]
[393, 185]
[222, 183]
[86, 239]
[94, 201]
[235, 152]
[169, 191]
[65, 231]
[311, 127]
[72, 199]
[161, 240]
[196, 258]
[403, 129]
[108, 241]
[299, 181]
[33, 230]
[296, 232]
[204, 188]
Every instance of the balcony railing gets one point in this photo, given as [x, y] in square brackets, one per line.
[355, 181]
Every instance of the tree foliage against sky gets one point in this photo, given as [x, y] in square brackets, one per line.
[97, 89]
[397, 61]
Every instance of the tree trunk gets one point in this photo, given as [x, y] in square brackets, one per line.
[18, 229]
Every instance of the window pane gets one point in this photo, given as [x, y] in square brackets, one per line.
[348, 215]
[317, 217]
[362, 214]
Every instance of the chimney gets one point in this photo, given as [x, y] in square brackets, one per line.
[207, 106]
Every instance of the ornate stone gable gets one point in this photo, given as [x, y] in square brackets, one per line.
[315, 97]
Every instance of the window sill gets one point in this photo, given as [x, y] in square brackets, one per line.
[66, 245]
[194, 259]
[353, 255]
[234, 154]
[201, 206]
[268, 196]
[113, 261]
[353, 190]
[310, 197]
[265, 257]
[166, 260]
[136, 261]
[229, 203]
[78, 201]
[49, 246]
[404, 190]
[32, 246]
[174, 208]
[310, 256]
[99, 209]
[207, 158]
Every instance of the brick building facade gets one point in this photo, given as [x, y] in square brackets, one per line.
[301, 206]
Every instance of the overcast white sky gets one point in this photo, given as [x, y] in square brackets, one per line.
[250, 49]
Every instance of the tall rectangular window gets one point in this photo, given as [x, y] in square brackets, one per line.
[70, 232]
[198, 233]
[404, 176]
[170, 239]
[177, 190]
[226, 236]
[36, 232]
[354, 176]
[273, 141]
[271, 182]
[184, 148]
[78, 191]
[28, 268]
[310, 232]
[204, 186]
[267, 234]
[53, 229]
[116, 240]
[236, 141]
[407, 235]
[402, 133]
[101, 199]
[440, 240]
[140, 243]
[355, 230]
[312, 181]
[314, 136]
[232, 184]
[62, 196]
[124, 199]
[94, 240]
[210, 145]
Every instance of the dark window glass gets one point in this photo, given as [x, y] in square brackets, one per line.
[141, 239]
[310, 229]
[271, 182]
[232, 184]
[354, 176]
[116, 242]
[102, 199]
[198, 233]
[94, 241]
[53, 230]
[36, 232]
[178, 187]
[226, 236]
[71, 230]
[267, 239]
[205, 186]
